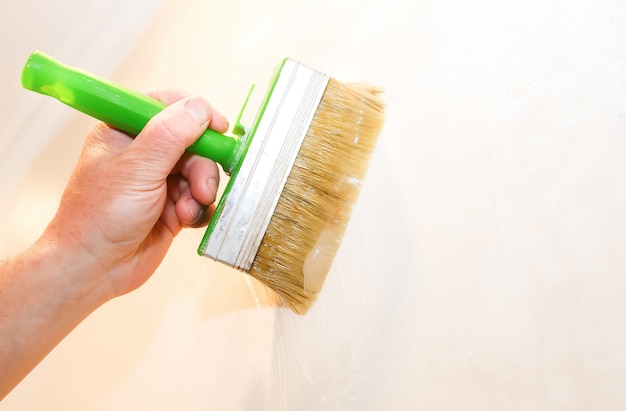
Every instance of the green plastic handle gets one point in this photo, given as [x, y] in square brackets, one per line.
[116, 105]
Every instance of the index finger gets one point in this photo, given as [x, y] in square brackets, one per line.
[169, 96]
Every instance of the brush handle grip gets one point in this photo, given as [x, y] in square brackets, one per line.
[116, 105]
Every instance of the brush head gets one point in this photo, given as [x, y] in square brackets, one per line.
[312, 213]
[288, 202]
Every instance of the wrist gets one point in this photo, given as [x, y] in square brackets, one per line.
[73, 271]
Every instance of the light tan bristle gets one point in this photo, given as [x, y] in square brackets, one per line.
[313, 210]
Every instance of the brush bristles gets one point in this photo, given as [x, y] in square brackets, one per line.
[313, 210]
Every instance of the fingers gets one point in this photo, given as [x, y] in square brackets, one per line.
[166, 95]
[159, 153]
[218, 122]
[203, 177]
[189, 212]
[170, 96]
[193, 188]
[164, 139]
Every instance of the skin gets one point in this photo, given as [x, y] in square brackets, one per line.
[125, 202]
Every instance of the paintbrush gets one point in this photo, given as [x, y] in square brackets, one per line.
[294, 174]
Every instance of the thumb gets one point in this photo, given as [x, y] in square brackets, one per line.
[163, 141]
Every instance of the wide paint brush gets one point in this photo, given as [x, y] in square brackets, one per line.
[294, 174]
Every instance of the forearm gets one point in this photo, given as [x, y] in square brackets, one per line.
[40, 303]
[106, 239]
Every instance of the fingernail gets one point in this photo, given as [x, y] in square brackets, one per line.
[194, 210]
[211, 183]
[198, 109]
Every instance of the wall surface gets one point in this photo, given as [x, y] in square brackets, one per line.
[484, 266]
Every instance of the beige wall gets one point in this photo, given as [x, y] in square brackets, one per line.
[483, 268]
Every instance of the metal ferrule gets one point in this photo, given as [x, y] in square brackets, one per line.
[277, 138]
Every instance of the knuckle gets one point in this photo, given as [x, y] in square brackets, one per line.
[166, 129]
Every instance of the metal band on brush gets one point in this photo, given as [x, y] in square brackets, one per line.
[253, 197]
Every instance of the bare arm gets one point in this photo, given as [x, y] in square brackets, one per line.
[125, 202]
[39, 306]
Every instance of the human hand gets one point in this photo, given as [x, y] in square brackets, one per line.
[127, 199]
